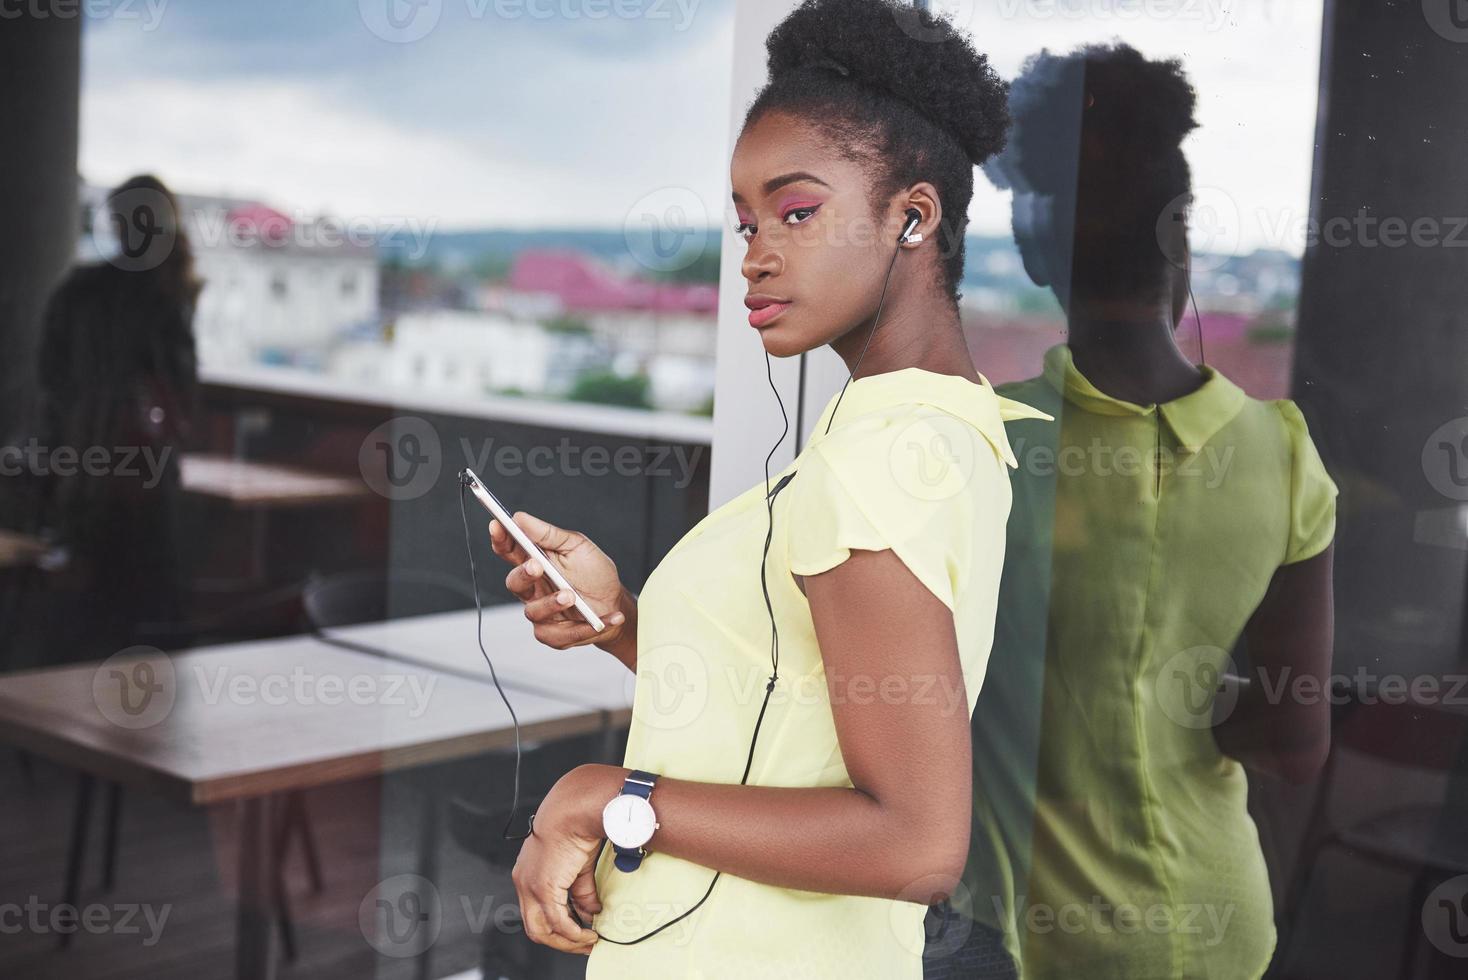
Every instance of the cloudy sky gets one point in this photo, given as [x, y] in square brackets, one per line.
[564, 113]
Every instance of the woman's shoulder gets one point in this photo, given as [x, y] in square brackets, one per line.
[897, 427]
[909, 455]
[1273, 423]
[910, 477]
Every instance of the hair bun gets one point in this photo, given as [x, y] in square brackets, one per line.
[1131, 112]
[1148, 104]
[902, 52]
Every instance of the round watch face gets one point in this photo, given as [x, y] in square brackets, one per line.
[628, 820]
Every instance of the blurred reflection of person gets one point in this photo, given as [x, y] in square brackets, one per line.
[1163, 515]
[119, 380]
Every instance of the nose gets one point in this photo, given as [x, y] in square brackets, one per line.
[761, 261]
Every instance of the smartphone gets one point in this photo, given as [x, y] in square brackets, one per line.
[492, 504]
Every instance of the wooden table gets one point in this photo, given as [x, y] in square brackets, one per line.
[258, 488]
[445, 642]
[250, 483]
[170, 724]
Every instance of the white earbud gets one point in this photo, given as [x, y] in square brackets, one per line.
[913, 216]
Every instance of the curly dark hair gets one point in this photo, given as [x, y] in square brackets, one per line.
[1098, 132]
[899, 91]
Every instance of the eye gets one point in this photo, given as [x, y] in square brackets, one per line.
[745, 230]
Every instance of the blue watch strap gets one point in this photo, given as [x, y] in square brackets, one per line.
[638, 782]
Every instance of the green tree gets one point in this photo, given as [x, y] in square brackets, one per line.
[608, 388]
[566, 324]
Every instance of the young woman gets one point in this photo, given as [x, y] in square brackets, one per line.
[1112, 837]
[117, 368]
[849, 815]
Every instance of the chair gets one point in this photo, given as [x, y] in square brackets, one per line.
[1414, 839]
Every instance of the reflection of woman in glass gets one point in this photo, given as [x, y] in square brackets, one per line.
[882, 568]
[119, 379]
[1166, 514]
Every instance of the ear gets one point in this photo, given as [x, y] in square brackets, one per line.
[923, 197]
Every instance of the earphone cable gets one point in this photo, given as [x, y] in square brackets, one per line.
[872, 333]
[479, 635]
[774, 658]
[764, 586]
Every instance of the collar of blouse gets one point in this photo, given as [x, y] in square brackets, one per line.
[1193, 418]
[978, 404]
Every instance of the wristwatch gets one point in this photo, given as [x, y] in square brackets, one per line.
[628, 819]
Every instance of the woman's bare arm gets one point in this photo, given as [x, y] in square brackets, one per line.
[1281, 723]
[902, 721]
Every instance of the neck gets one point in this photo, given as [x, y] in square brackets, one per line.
[1129, 351]
[926, 335]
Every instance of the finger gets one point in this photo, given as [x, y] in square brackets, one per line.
[545, 534]
[555, 606]
[527, 581]
[562, 634]
[581, 915]
[559, 606]
[583, 893]
[565, 945]
[558, 917]
[504, 544]
[542, 926]
[535, 922]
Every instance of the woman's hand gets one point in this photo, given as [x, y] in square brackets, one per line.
[558, 861]
[587, 567]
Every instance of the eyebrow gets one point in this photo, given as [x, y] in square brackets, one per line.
[795, 176]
